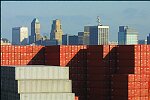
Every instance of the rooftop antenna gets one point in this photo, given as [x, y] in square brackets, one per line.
[99, 21]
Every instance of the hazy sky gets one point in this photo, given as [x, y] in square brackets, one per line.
[75, 15]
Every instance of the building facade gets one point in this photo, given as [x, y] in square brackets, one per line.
[127, 36]
[83, 38]
[20, 36]
[56, 31]
[142, 41]
[65, 39]
[99, 35]
[73, 40]
[35, 31]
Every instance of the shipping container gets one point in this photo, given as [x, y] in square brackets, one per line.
[44, 86]
[47, 96]
[48, 72]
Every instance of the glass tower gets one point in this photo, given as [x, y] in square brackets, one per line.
[127, 36]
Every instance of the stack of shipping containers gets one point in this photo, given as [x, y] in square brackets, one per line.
[130, 82]
[36, 83]
[106, 72]
[22, 55]
[74, 57]
[97, 73]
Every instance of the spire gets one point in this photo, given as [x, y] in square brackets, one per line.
[99, 21]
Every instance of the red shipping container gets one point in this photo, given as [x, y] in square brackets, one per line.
[4, 62]
[76, 98]
[5, 56]
[17, 56]
[143, 48]
[143, 62]
[137, 85]
[148, 48]
[131, 92]
[16, 62]
[36, 49]
[131, 85]
[11, 49]
[4, 48]
[137, 70]
[148, 63]
[144, 92]
[143, 70]
[144, 85]
[137, 78]
[137, 93]
[9, 56]
[9, 62]
[23, 49]
[17, 49]
[29, 49]
[131, 77]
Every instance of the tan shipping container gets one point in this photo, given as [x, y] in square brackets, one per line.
[47, 96]
[41, 72]
[36, 86]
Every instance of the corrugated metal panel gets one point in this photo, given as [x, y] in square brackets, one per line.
[32, 86]
[41, 72]
[48, 96]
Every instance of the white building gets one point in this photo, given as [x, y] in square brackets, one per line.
[19, 36]
[127, 36]
[99, 35]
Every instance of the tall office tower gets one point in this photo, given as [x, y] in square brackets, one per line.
[56, 31]
[148, 39]
[99, 35]
[127, 36]
[83, 38]
[73, 40]
[65, 39]
[35, 31]
[19, 36]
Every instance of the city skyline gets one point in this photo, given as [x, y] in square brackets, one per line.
[75, 15]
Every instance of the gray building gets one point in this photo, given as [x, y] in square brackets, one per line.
[35, 32]
[83, 38]
[65, 39]
[98, 35]
[142, 41]
[127, 36]
[49, 42]
[20, 36]
[73, 40]
[148, 39]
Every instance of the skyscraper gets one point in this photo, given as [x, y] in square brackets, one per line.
[99, 35]
[127, 36]
[73, 40]
[65, 39]
[19, 35]
[83, 38]
[56, 31]
[148, 39]
[35, 31]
